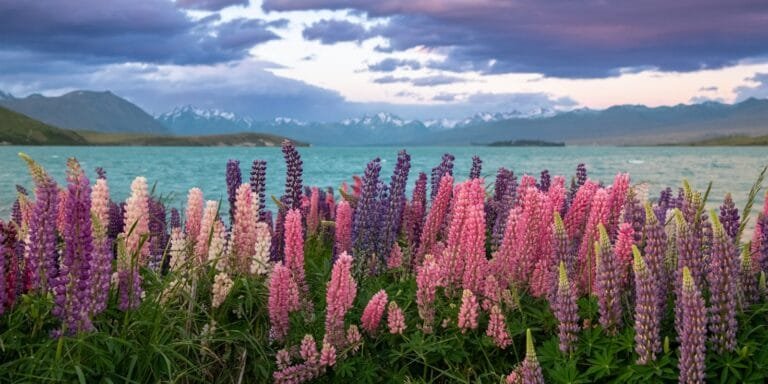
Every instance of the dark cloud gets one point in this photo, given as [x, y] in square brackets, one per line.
[209, 5]
[445, 97]
[562, 38]
[431, 81]
[389, 79]
[152, 31]
[332, 31]
[758, 91]
[391, 64]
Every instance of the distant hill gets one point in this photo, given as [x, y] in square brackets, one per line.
[247, 139]
[731, 141]
[86, 110]
[16, 128]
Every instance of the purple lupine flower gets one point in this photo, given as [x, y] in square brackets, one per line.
[544, 181]
[723, 280]
[259, 184]
[42, 261]
[11, 260]
[748, 291]
[578, 180]
[663, 204]
[3, 256]
[175, 218]
[655, 254]
[531, 370]
[72, 288]
[444, 168]
[561, 252]
[293, 176]
[365, 221]
[504, 195]
[693, 347]
[566, 311]
[416, 212]
[647, 314]
[21, 190]
[477, 167]
[234, 179]
[607, 283]
[277, 247]
[116, 219]
[394, 205]
[634, 213]
[729, 216]
[158, 233]
[101, 173]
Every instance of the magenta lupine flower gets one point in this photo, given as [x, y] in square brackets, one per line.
[427, 281]
[607, 284]
[655, 254]
[343, 231]
[308, 349]
[435, 219]
[497, 328]
[566, 311]
[395, 319]
[194, 213]
[693, 347]
[729, 216]
[5, 257]
[491, 292]
[41, 256]
[61, 215]
[598, 214]
[72, 290]
[294, 255]
[477, 167]
[365, 223]
[392, 215]
[328, 355]
[283, 299]
[623, 252]
[468, 311]
[472, 247]
[395, 259]
[244, 227]
[531, 370]
[339, 296]
[445, 168]
[647, 314]
[373, 312]
[205, 235]
[313, 218]
[759, 247]
[533, 238]
[723, 280]
[102, 256]
[578, 211]
[259, 185]
[616, 200]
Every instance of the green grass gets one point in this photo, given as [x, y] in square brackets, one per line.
[19, 129]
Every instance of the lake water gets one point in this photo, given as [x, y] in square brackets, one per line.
[176, 170]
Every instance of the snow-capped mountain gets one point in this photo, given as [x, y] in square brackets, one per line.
[191, 120]
[487, 117]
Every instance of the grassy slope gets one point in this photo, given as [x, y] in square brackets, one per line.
[735, 140]
[235, 139]
[16, 128]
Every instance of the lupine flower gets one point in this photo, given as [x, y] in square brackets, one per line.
[427, 280]
[394, 205]
[194, 214]
[598, 214]
[693, 348]
[178, 249]
[759, 247]
[205, 235]
[276, 252]
[259, 184]
[158, 235]
[395, 259]
[514, 377]
[61, 215]
[260, 261]
[308, 350]
[294, 255]
[101, 268]
[468, 311]
[244, 228]
[283, 299]
[41, 256]
[729, 216]
[175, 221]
[218, 251]
[566, 311]
[545, 181]
[328, 355]
[313, 218]
[634, 214]
[505, 259]
[748, 292]
[504, 196]
[445, 168]
[354, 338]
[647, 314]
[365, 224]
[4, 254]
[464, 257]
[607, 283]
[491, 292]
[723, 280]
[623, 252]
[116, 219]
[373, 312]
[343, 231]
[578, 211]
[434, 219]
[497, 328]
[655, 252]
[531, 370]
[234, 179]
[395, 319]
[222, 285]
[340, 295]
[135, 228]
[477, 167]
[293, 176]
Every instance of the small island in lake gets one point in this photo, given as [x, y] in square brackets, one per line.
[525, 143]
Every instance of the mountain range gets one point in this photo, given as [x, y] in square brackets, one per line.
[618, 125]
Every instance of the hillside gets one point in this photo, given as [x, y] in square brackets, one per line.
[732, 141]
[86, 110]
[19, 129]
[247, 139]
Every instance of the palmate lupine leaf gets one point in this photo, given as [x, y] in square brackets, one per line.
[756, 187]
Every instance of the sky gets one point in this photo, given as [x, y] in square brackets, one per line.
[326, 60]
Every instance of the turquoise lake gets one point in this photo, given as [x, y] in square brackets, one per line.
[176, 170]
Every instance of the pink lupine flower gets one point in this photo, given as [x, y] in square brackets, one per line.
[435, 219]
[530, 226]
[616, 201]
[137, 218]
[598, 214]
[218, 253]
[61, 215]
[206, 230]
[343, 236]
[340, 295]
[283, 299]
[579, 210]
[497, 328]
[354, 338]
[557, 193]
[313, 217]
[178, 249]
[373, 312]
[260, 260]
[100, 203]
[395, 319]
[623, 251]
[468, 311]
[328, 355]
[194, 213]
[507, 254]
[244, 228]
[330, 204]
[222, 285]
[491, 292]
[464, 256]
[395, 259]
[514, 377]
[427, 280]
[294, 255]
[308, 349]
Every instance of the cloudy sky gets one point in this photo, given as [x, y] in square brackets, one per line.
[331, 59]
